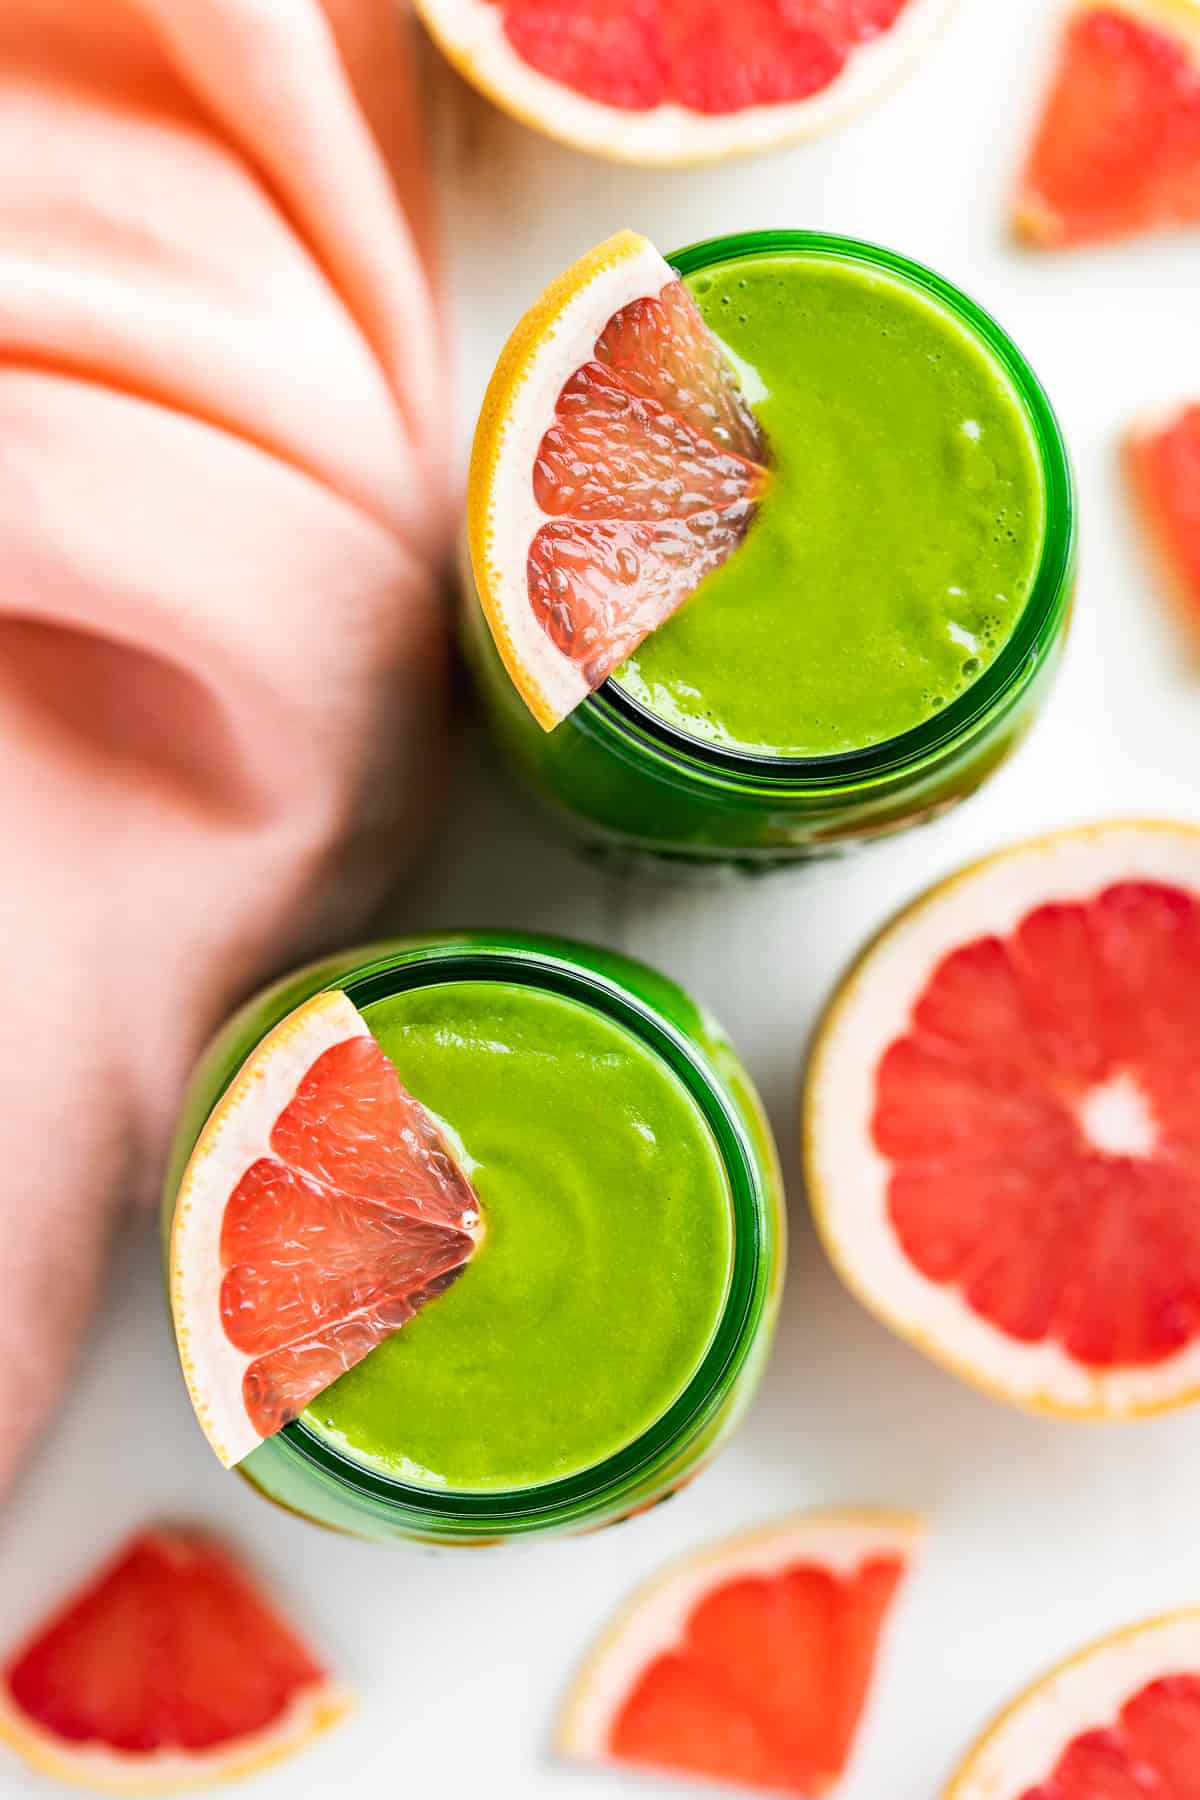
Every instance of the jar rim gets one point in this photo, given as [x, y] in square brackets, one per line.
[613, 710]
[531, 963]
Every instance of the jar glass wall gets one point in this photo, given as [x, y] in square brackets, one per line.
[625, 781]
[305, 1472]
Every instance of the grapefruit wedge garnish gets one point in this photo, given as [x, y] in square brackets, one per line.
[681, 81]
[1003, 1122]
[1164, 463]
[167, 1671]
[615, 464]
[750, 1662]
[321, 1208]
[1117, 150]
[1120, 1721]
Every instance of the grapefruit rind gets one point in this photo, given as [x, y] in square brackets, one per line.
[1022, 1747]
[1035, 221]
[470, 34]
[653, 1620]
[847, 1177]
[237, 1133]
[556, 336]
[309, 1714]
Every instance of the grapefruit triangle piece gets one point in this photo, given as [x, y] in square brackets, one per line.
[1164, 465]
[615, 464]
[1002, 1122]
[321, 1208]
[682, 81]
[1117, 150]
[750, 1662]
[168, 1670]
[1119, 1721]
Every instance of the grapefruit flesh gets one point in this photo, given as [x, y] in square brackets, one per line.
[616, 463]
[750, 1664]
[1119, 1721]
[168, 1668]
[700, 54]
[1042, 1124]
[1117, 150]
[1150, 1752]
[1164, 462]
[321, 1208]
[648, 475]
[1025, 1202]
[681, 81]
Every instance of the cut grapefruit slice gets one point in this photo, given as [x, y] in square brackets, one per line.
[1164, 463]
[1117, 150]
[751, 1661]
[1120, 1721]
[1003, 1122]
[321, 1207]
[681, 81]
[167, 1671]
[615, 464]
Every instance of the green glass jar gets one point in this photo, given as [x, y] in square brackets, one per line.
[306, 1473]
[625, 782]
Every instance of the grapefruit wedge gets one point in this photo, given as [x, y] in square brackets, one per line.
[1164, 465]
[167, 1671]
[1117, 150]
[322, 1206]
[681, 81]
[1002, 1122]
[615, 464]
[1120, 1721]
[750, 1662]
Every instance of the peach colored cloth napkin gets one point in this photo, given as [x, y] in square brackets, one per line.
[222, 505]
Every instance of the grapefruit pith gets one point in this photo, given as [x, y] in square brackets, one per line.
[1120, 1721]
[1002, 1122]
[681, 81]
[615, 464]
[166, 1671]
[1117, 150]
[322, 1206]
[1164, 465]
[751, 1661]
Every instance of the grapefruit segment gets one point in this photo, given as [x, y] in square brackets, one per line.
[1164, 464]
[750, 1662]
[321, 1208]
[616, 463]
[1003, 1122]
[168, 1670]
[679, 81]
[1117, 150]
[1119, 1721]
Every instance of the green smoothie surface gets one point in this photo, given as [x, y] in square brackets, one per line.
[603, 1271]
[899, 540]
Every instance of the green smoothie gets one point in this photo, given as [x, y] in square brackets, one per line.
[604, 1268]
[899, 540]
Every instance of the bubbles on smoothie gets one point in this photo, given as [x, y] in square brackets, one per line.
[702, 284]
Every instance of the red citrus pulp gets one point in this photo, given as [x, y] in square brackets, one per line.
[1117, 150]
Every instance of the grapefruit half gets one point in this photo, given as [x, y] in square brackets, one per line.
[1120, 1721]
[1117, 150]
[322, 1206]
[168, 1670]
[615, 464]
[681, 81]
[1164, 465]
[750, 1662]
[1002, 1122]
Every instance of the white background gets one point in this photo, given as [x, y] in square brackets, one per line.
[1041, 1534]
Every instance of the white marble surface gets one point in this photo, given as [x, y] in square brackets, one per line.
[1041, 1535]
